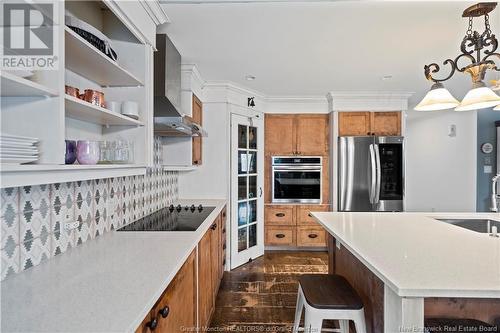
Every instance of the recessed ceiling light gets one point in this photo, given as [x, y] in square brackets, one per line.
[386, 77]
[250, 77]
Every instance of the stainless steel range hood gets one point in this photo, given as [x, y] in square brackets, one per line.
[168, 119]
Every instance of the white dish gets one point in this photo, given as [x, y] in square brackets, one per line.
[3, 155]
[21, 149]
[17, 137]
[16, 144]
[130, 109]
[17, 160]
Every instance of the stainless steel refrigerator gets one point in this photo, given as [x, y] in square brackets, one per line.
[371, 174]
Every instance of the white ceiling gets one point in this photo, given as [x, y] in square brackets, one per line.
[308, 49]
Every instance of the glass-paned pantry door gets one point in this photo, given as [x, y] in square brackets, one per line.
[247, 202]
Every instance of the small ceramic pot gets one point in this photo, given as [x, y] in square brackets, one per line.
[87, 152]
[70, 156]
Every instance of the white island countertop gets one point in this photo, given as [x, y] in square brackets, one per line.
[418, 256]
[108, 284]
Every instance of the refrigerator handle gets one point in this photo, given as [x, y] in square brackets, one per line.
[342, 174]
[378, 181]
[372, 176]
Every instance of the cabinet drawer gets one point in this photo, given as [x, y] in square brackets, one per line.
[279, 215]
[304, 217]
[311, 236]
[280, 235]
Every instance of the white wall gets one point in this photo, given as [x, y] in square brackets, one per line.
[210, 180]
[441, 170]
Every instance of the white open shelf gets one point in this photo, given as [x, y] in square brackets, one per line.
[82, 110]
[84, 59]
[35, 174]
[16, 86]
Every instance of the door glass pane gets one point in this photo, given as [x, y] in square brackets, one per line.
[242, 136]
[252, 187]
[242, 188]
[242, 239]
[252, 235]
[252, 162]
[252, 211]
[252, 137]
[242, 213]
[242, 162]
[391, 169]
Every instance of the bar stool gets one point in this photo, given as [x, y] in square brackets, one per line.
[327, 296]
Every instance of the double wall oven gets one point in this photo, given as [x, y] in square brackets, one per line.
[296, 179]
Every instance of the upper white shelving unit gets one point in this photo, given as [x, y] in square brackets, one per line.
[81, 110]
[87, 61]
[16, 86]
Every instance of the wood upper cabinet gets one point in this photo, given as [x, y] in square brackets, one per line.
[312, 134]
[176, 308]
[354, 123]
[205, 283]
[296, 134]
[197, 141]
[369, 123]
[280, 138]
[386, 123]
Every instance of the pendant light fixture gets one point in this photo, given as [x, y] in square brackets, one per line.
[473, 44]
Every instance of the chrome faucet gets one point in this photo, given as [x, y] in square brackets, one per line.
[494, 195]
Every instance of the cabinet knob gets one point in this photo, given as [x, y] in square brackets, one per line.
[309, 215]
[280, 236]
[312, 236]
[280, 214]
[214, 226]
[224, 262]
[164, 311]
[153, 324]
[224, 246]
[224, 230]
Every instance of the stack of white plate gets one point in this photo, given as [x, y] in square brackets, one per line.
[16, 149]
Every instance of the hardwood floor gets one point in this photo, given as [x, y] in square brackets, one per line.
[260, 296]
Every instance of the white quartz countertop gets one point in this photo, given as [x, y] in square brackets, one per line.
[108, 284]
[418, 256]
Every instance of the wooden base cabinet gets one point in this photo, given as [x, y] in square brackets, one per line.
[195, 286]
[293, 225]
[176, 308]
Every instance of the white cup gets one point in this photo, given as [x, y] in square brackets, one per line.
[113, 106]
[130, 109]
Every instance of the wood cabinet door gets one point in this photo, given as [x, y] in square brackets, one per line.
[312, 134]
[354, 123]
[176, 310]
[206, 295]
[222, 243]
[214, 256]
[278, 235]
[279, 215]
[279, 137]
[386, 123]
[197, 141]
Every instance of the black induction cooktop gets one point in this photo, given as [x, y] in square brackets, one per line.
[179, 218]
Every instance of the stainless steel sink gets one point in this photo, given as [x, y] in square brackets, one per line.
[478, 225]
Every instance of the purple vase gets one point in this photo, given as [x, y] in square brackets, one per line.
[87, 152]
[70, 156]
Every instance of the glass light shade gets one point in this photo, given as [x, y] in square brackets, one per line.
[438, 98]
[478, 98]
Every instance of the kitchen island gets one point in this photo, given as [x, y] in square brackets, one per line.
[409, 265]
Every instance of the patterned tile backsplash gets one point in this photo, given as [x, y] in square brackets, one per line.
[33, 217]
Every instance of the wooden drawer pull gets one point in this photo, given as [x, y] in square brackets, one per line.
[312, 236]
[280, 214]
[280, 236]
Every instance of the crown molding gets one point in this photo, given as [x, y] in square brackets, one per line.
[155, 11]
[368, 100]
[296, 104]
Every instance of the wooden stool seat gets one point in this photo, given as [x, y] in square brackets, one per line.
[328, 291]
[456, 325]
[328, 297]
